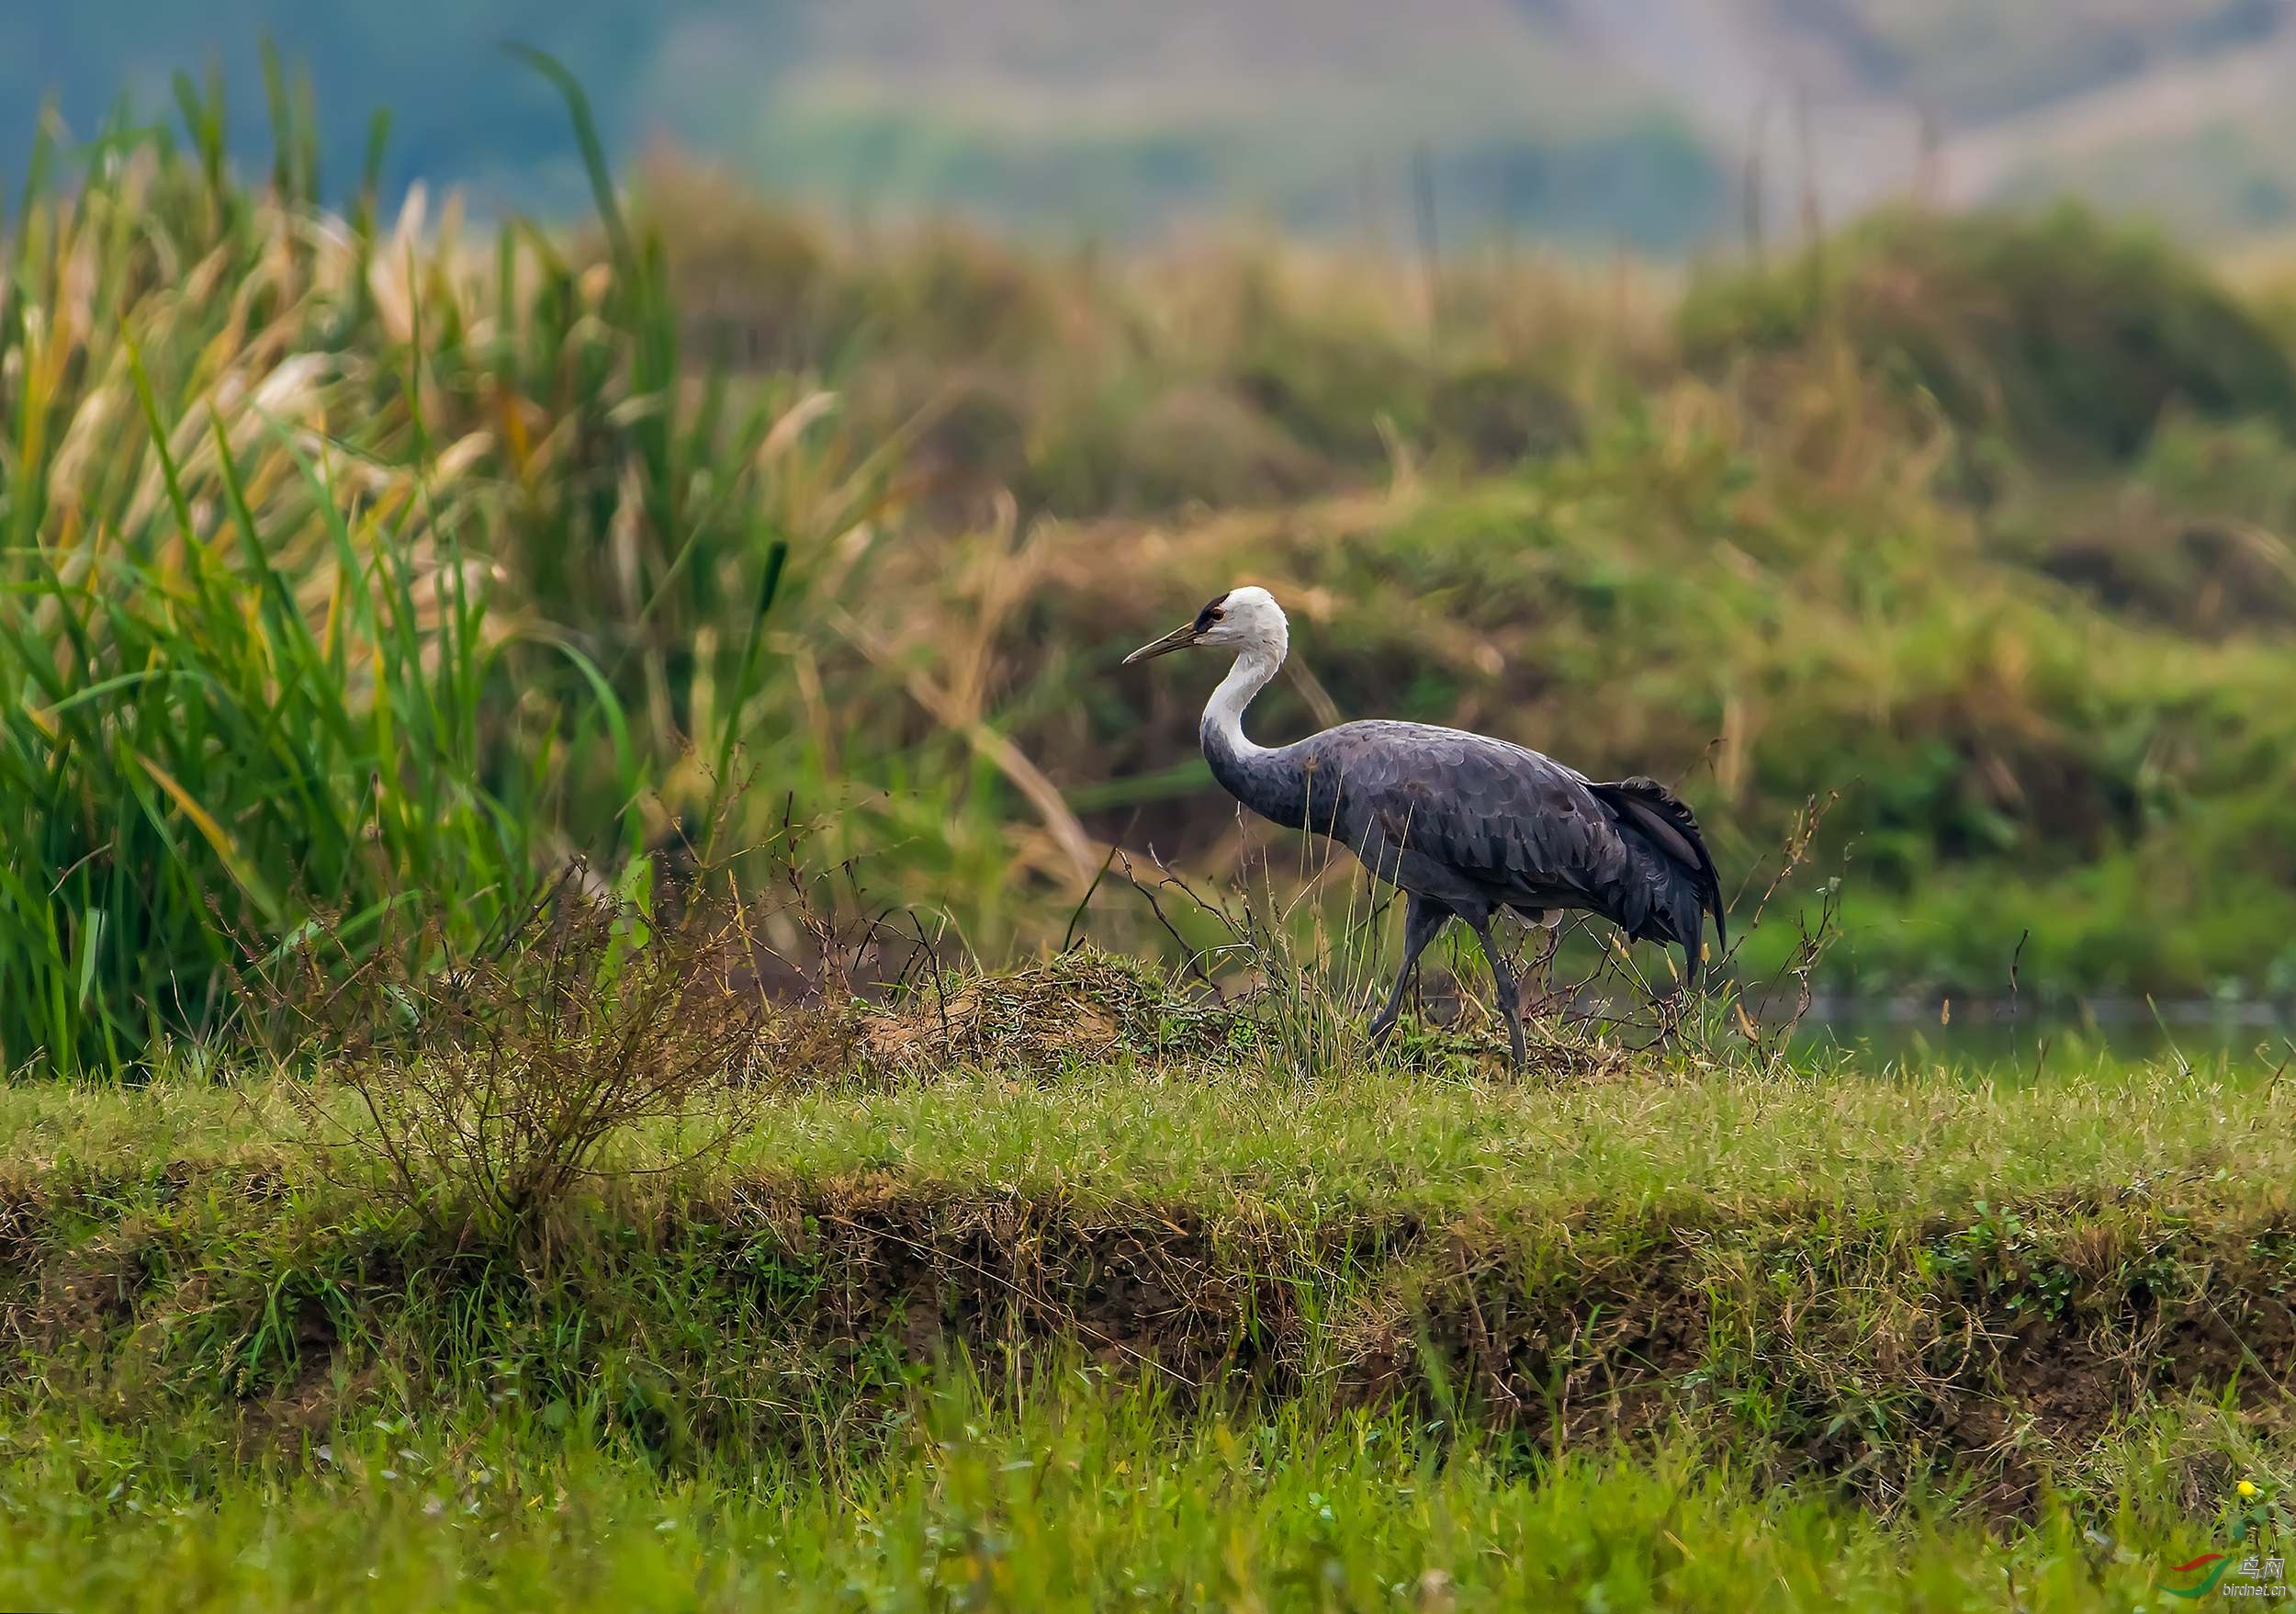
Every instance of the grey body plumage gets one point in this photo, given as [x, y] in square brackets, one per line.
[1465, 824]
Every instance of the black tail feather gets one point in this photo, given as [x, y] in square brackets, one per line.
[1666, 820]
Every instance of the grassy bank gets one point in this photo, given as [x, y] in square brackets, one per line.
[1067, 1334]
[1774, 1239]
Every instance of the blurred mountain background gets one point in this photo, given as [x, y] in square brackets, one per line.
[1642, 123]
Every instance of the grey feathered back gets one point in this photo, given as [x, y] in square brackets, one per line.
[1480, 824]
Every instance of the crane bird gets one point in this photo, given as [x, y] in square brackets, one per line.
[1463, 824]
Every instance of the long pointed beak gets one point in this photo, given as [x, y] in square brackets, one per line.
[1179, 638]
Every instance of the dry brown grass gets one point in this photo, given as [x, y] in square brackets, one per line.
[478, 1092]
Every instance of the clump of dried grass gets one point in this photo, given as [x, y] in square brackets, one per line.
[600, 1037]
[1078, 1009]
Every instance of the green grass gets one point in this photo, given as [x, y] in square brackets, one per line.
[1897, 1144]
[1819, 1226]
[1045, 1337]
[1078, 1496]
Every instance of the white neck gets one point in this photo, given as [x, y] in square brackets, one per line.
[1224, 714]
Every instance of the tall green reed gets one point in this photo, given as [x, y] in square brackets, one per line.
[335, 570]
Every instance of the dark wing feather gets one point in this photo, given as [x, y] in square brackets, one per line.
[1671, 826]
[1519, 826]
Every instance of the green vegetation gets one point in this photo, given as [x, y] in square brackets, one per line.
[265, 653]
[2065, 336]
[1148, 1330]
[580, 781]
[347, 561]
[1082, 1500]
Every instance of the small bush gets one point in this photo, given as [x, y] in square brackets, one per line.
[600, 1037]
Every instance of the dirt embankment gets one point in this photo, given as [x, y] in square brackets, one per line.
[1998, 1349]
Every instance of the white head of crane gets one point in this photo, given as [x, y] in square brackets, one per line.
[1248, 621]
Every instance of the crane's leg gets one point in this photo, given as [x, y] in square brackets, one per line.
[1540, 976]
[1421, 919]
[1510, 1008]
